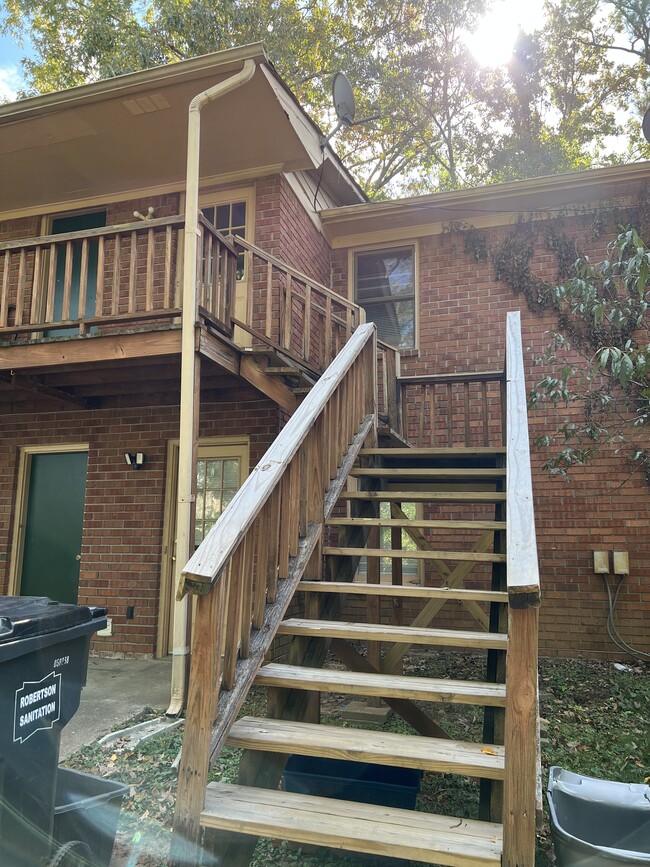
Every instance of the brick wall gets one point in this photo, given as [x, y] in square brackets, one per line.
[462, 315]
[124, 510]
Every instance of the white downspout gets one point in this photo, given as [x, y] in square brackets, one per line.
[189, 405]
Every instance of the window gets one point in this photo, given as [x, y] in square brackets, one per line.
[217, 481]
[384, 285]
[411, 567]
[230, 219]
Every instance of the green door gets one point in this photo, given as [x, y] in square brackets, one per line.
[60, 226]
[53, 525]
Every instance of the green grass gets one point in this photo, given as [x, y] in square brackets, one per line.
[596, 725]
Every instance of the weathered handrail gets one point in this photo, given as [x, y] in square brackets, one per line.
[299, 314]
[522, 706]
[247, 568]
[452, 409]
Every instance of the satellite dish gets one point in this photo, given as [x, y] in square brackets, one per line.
[646, 125]
[343, 99]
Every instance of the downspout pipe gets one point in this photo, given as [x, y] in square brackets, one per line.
[190, 371]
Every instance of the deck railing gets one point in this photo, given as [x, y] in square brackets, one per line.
[289, 309]
[246, 570]
[124, 274]
[522, 711]
[458, 409]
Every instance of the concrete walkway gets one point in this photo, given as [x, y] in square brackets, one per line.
[116, 690]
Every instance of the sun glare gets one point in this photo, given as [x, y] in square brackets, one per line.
[493, 40]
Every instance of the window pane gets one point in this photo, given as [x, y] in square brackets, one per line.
[238, 216]
[395, 321]
[385, 273]
[208, 213]
[223, 217]
[231, 474]
[214, 473]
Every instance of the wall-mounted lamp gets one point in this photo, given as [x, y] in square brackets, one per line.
[135, 461]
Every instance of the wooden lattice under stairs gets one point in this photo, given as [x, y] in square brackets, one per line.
[288, 562]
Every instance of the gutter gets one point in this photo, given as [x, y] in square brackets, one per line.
[190, 373]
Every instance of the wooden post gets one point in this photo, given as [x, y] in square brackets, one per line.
[520, 782]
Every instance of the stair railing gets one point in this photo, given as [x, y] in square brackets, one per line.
[246, 570]
[522, 712]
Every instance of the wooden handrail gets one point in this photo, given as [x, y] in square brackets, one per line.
[523, 568]
[210, 558]
[522, 768]
[246, 570]
[439, 378]
[297, 275]
[81, 234]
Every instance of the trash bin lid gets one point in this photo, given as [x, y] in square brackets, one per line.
[27, 616]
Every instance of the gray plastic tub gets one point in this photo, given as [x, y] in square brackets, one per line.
[598, 823]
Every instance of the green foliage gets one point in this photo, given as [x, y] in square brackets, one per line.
[599, 357]
[445, 122]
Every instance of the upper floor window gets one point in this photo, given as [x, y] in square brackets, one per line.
[384, 285]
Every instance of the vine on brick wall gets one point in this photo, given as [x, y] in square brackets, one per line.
[603, 319]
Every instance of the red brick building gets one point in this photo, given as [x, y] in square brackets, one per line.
[90, 332]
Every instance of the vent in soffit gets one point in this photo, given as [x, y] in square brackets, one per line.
[146, 104]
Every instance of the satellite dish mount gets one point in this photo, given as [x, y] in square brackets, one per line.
[344, 106]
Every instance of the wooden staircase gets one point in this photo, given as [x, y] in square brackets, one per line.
[352, 621]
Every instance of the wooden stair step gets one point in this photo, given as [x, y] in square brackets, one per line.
[451, 473]
[360, 588]
[352, 826]
[402, 553]
[381, 748]
[417, 496]
[382, 685]
[423, 523]
[397, 634]
[459, 451]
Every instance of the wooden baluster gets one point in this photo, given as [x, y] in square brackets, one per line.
[20, 291]
[450, 417]
[207, 267]
[215, 283]
[484, 413]
[269, 302]
[133, 263]
[51, 282]
[67, 281]
[423, 399]
[101, 257]
[117, 267]
[273, 532]
[467, 419]
[432, 415]
[148, 288]
[234, 618]
[167, 282]
[83, 287]
[288, 313]
[285, 532]
[294, 511]
[261, 568]
[307, 326]
[247, 592]
[4, 302]
[36, 301]
[328, 332]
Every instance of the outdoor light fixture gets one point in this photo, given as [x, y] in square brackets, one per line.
[135, 461]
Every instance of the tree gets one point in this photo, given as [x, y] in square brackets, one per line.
[445, 122]
[599, 358]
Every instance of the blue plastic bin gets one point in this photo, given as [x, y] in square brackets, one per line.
[353, 781]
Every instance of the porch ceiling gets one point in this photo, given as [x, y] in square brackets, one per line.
[130, 133]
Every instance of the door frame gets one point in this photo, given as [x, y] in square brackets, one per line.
[22, 502]
[229, 446]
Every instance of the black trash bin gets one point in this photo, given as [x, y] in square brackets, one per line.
[43, 664]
